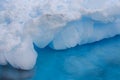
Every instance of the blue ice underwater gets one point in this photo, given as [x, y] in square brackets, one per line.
[94, 61]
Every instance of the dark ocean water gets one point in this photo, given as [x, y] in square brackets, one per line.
[95, 61]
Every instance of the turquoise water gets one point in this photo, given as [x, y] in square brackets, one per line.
[95, 61]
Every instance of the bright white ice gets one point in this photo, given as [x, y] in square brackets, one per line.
[59, 24]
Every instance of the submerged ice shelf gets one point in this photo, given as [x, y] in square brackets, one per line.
[94, 61]
[59, 24]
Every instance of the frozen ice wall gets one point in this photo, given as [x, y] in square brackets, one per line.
[59, 24]
[73, 22]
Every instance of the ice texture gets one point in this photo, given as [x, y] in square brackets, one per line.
[59, 24]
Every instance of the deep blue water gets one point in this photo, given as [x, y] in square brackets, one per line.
[95, 61]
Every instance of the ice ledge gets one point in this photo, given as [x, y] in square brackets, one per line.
[59, 24]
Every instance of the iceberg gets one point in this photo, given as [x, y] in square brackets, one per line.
[59, 24]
